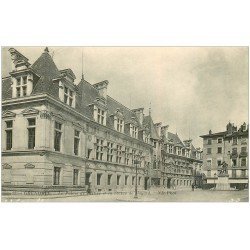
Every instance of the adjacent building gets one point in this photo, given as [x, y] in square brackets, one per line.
[229, 147]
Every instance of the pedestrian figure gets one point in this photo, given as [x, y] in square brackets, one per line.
[192, 186]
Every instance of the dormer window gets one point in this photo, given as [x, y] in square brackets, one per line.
[119, 126]
[21, 86]
[100, 116]
[134, 131]
[68, 96]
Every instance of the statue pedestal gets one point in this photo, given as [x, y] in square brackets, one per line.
[223, 183]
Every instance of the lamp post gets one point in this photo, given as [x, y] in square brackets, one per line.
[136, 162]
[214, 179]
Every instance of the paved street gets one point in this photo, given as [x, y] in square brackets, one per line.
[170, 196]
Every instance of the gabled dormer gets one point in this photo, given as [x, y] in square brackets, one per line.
[132, 127]
[118, 120]
[22, 76]
[99, 110]
[67, 88]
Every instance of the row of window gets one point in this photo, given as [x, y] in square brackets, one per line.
[220, 140]
[31, 127]
[111, 148]
[118, 178]
[234, 150]
[178, 151]
[115, 153]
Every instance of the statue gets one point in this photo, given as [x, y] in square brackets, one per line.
[223, 168]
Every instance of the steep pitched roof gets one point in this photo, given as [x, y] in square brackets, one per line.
[114, 105]
[176, 140]
[6, 88]
[45, 67]
[148, 122]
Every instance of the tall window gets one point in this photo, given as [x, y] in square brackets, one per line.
[118, 180]
[209, 141]
[100, 116]
[234, 140]
[139, 181]
[110, 151]
[9, 127]
[57, 172]
[119, 125]
[179, 151]
[209, 151]
[75, 176]
[99, 149]
[31, 133]
[109, 179]
[68, 96]
[118, 153]
[126, 179]
[21, 86]
[219, 150]
[243, 162]
[234, 161]
[58, 135]
[76, 142]
[126, 155]
[98, 180]
[218, 162]
[171, 149]
[133, 156]
[219, 140]
[134, 130]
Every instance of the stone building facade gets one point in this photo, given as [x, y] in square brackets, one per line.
[229, 147]
[63, 137]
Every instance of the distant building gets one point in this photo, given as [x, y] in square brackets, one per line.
[230, 147]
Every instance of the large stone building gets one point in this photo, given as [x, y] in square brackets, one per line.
[58, 136]
[229, 147]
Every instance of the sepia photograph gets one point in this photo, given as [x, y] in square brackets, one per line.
[124, 124]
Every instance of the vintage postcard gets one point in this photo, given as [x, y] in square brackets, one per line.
[125, 124]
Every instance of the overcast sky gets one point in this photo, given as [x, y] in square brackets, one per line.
[192, 89]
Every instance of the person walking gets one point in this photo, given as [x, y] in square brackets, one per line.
[192, 186]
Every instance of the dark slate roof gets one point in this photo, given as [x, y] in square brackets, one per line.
[148, 122]
[176, 140]
[6, 88]
[45, 67]
[113, 105]
[213, 134]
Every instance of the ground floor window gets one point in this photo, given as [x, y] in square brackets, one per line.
[133, 180]
[75, 176]
[109, 179]
[98, 181]
[139, 181]
[57, 172]
[118, 180]
[126, 179]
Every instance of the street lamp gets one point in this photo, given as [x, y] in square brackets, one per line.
[214, 179]
[136, 162]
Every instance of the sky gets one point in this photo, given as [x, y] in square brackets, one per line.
[191, 89]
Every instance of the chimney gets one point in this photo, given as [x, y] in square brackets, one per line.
[139, 113]
[164, 131]
[158, 128]
[102, 88]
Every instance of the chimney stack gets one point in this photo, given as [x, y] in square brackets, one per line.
[102, 88]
